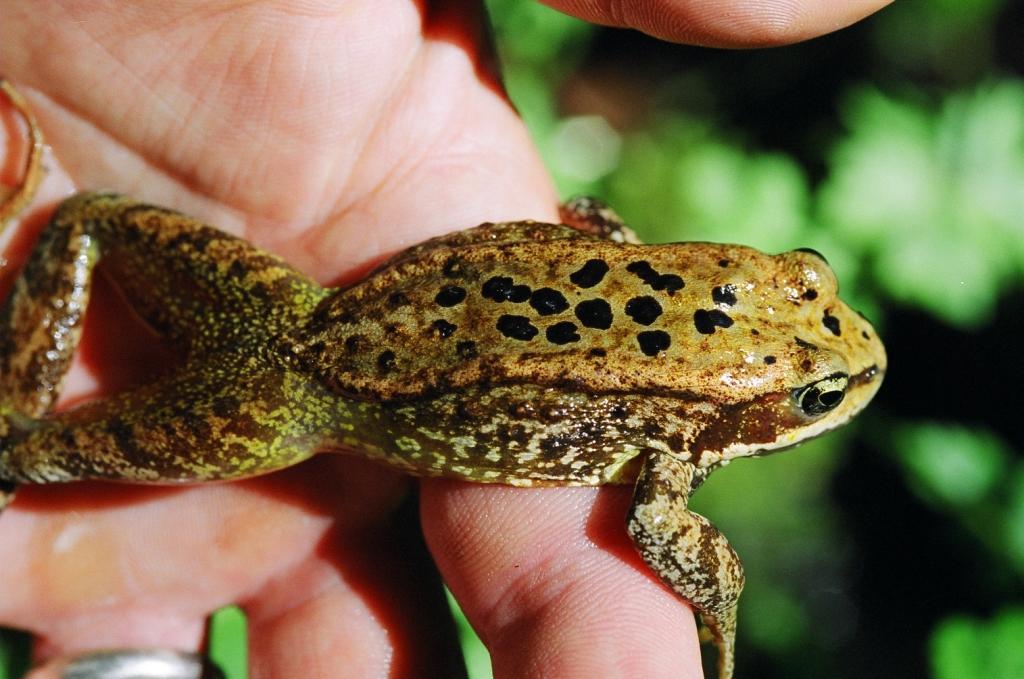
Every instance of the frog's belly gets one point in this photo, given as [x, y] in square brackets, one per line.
[516, 468]
[519, 434]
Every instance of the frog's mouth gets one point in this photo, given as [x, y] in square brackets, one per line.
[776, 422]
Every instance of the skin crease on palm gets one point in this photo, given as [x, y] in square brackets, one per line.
[334, 134]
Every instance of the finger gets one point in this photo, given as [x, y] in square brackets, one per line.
[552, 584]
[724, 23]
[104, 566]
[369, 603]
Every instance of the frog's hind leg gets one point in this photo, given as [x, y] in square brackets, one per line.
[686, 550]
[13, 399]
[220, 420]
[594, 217]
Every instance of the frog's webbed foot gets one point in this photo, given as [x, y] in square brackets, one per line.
[13, 203]
[594, 217]
[686, 550]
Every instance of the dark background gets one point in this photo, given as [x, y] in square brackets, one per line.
[894, 548]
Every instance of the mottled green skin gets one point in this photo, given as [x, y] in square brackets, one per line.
[420, 367]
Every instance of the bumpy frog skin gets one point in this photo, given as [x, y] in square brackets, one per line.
[520, 353]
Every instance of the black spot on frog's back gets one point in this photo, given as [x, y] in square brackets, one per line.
[386, 361]
[590, 274]
[442, 328]
[643, 310]
[466, 350]
[548, 301]
[397, 300]
[504, 289]
[450, 295]
[226, 406]
[653, 342]
[354, 344]
[595, 313]
[832, 323]
[804, 344]
[516, 327]
[564, 332]
[669, 282]
[706, 320]
[237, 269]
[724, 294]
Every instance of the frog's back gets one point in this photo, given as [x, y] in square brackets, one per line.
[592, 316]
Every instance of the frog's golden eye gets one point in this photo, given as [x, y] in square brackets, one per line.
[822, 396]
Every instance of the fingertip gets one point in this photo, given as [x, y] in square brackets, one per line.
[724, 23]
[549, 580]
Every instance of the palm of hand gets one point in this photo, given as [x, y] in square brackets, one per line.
[332, 135]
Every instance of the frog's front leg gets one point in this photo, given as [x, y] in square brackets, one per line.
[594, 217]
[686, 551]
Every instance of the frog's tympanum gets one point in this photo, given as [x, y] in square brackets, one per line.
[521, 353]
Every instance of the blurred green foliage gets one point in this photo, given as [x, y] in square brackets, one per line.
[915, 193]
[954, 172]
[963, 648]
[478, 660]
[14, 653]
[972, 475]
[228, 642]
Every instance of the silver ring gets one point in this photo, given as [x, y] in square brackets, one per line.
[129, 664]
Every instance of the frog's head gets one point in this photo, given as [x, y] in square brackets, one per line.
[802, 363]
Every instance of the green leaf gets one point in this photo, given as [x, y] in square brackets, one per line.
[229, 642]
[951, 464]
[937, 198]
[965, 648]
[478, 660]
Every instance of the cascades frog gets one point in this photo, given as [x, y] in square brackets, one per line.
[520, 353]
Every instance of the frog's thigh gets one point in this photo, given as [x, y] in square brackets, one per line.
[686, 550]
[41, 319]
[195, 285]
[200, 425]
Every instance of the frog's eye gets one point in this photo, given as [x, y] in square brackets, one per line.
[822, 396]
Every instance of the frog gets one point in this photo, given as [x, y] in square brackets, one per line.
[521, 353]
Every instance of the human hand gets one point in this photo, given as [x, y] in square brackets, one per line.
[333, 134]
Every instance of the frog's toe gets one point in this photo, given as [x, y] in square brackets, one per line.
[7, 490]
